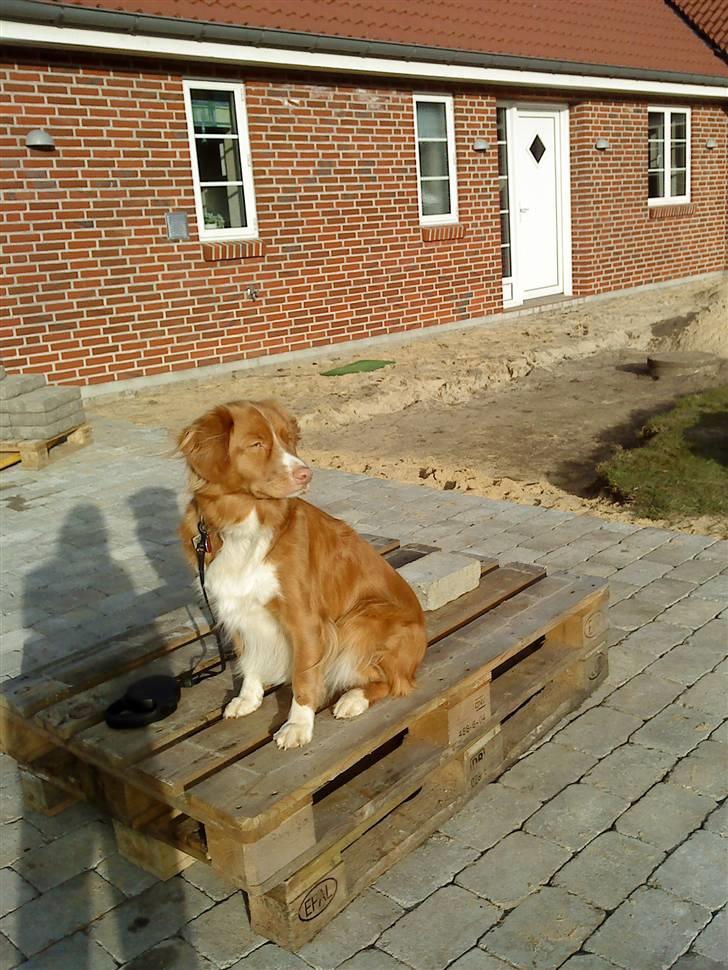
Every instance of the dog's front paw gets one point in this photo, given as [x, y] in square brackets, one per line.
[240, 706]
[351, 704]
[293, 735]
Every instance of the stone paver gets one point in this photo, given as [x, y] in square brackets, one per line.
[423, 871]
[599, 731]
[630, 770]
[576, 815]
[488, 817]
[511, 870]
[609, 869]
[172, 954]
[546, 928]
[548, 770]
[695, 961]
[704, 770]
[75, 951]
[83, 848]
[688, 872]
[587, 961]
[441, 929]
[717, 821]
[665, 815]
[373, 959]
[709, 694]
[10, 956]
[14, 891]
[648, 931]
[712, 941]
[360, 924]
[644, 696]
[676, 729]
[222, 934]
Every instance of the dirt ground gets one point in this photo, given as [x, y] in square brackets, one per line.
[521, 409]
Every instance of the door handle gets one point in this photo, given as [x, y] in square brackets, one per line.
[523, 210]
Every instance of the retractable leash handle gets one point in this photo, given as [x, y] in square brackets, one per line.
[154, 698]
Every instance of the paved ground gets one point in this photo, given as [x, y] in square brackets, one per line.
[606, 847]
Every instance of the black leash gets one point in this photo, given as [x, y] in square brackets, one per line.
[202, 546]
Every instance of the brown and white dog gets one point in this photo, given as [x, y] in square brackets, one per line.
[304, 599]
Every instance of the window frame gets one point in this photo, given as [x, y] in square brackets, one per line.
[452, 217]
[668, 199]
[246, 167]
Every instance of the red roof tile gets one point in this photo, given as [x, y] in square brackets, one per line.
[644, 34]
[710, 16]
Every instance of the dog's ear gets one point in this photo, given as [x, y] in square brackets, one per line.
[206, 444]
[293, 431]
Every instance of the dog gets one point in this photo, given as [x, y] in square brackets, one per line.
[303, 598]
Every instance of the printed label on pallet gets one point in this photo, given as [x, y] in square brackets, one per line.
[468, 715]
[481, 756]
[317, 899]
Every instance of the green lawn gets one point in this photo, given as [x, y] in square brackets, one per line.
[681, 468]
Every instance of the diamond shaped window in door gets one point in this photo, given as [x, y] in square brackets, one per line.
[537, 149]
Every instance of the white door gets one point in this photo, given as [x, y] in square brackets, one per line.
[538, 202]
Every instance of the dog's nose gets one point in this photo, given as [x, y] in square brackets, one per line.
[303, 475]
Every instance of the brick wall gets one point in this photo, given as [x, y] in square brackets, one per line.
[97, 293]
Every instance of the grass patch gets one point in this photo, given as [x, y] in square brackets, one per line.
[681, 468]
[357, 367]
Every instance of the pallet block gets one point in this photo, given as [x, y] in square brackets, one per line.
[34, 453]
[304, 831]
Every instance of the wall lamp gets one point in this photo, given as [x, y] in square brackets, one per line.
[481, 145]
[40, 139]
[601, 144]
[711, 143]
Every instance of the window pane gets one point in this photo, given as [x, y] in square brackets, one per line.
[679, 125]
[431, 120]
[506, 262]
[502, 160]
[433, 158]
[435, 198]
[213, 112]
[224, 207]
[500, 116]
[656, 124]
[678, 183]
[656, 185]
[678, 154]
[505, 229]
[656, 154]
[218, 159]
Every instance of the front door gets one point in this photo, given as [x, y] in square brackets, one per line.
[539, 206]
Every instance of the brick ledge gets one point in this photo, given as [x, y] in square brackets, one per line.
[221, 251]
[682, 209]
[437, 233]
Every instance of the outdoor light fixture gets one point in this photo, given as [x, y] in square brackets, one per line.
[481, 145]
[601, 144]
[711, 143]
[40, 139]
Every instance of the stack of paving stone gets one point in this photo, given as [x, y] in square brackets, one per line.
[31, 410]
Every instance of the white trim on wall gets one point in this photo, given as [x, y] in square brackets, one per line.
[667, 112]
[39, 35]
[450, 217]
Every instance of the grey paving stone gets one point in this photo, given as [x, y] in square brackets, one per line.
[697, 870]
[648, 931]
[60, 912]
[222, 934]
[354, 929]
[717, 551]
[666, 591]
[511, 870]
[626, 660]
[687, 663]
[172, 954]
[10, 956]
[658, 637]
[693, 611]
[619, 556]
[441, 577]
[141, 922]
[14, 891]
[76, 952]
[696, 571]
[631, 770]
[548, 770]
[205, 878]
[720, 733]
[423, 871]
[576, 815]
[717, 821]
[82, 848]
[676, 728]
[642, 572]
[476, 959]
[712, 941]
[494, 812]
[543, 931]
[695, 961]
[609, 869]
[645, 695]
[17, 838]
[709, 694]
[373, 959]
[130, 879]
[599, 731]
[677, 551]
[632, 613]
[54, 826]
[665, 815]
[440, 929]
[587, 961]
[714, 589]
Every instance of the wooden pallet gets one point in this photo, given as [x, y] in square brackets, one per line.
[304, 831]
[34, 453]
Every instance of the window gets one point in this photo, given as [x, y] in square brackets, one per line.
[504, 190]
[436, 180]
[221, 169]
[668, 155]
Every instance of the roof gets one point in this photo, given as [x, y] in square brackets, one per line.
[708, 16]
[640, 34]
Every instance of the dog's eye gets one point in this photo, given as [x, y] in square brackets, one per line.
[255, 444]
